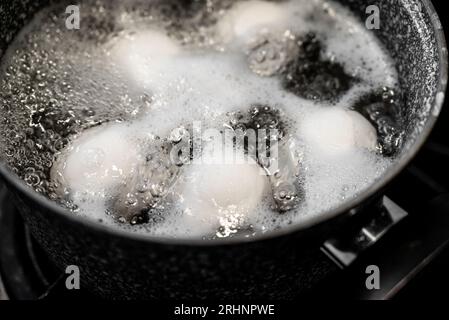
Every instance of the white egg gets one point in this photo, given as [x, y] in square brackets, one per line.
[140, 54]
[221, 193]
[246, 18]
[96, 160]
[335, 131]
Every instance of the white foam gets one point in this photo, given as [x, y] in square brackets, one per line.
[346, 38]
[204, 87]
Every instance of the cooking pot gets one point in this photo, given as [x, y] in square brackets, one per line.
[280, 264]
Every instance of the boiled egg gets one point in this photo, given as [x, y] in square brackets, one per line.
[336, 131]
[142, 54]
[247, 18]
[97, 159]
[221, 192]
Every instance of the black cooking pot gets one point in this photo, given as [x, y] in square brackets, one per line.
[279, 264]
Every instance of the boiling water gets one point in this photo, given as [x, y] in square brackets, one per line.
[138, 76]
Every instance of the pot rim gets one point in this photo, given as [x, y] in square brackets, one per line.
[343, 209]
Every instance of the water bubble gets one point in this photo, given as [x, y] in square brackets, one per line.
[32, 179]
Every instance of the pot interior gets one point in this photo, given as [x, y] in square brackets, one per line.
[409, 30]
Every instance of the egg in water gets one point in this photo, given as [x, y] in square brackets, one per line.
[336, 132]
[96, 160]
[141, 54]
[221, 191]
[245, 19]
